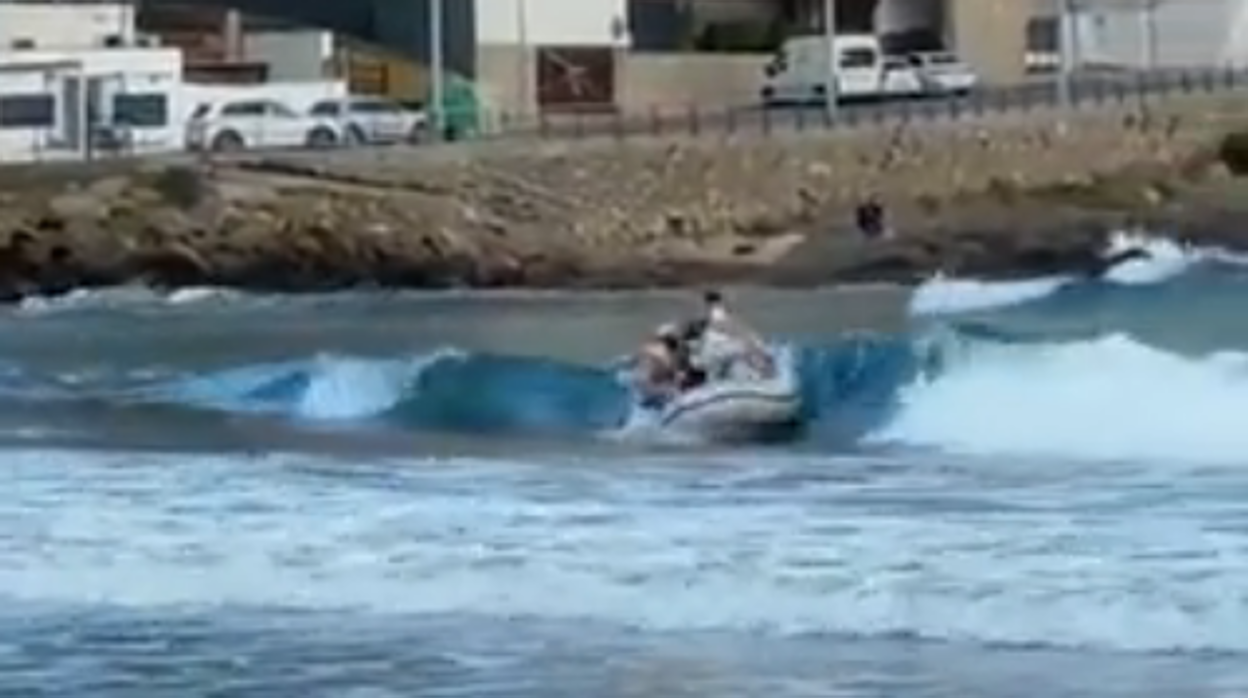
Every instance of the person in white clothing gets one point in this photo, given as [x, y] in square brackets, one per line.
[722, 340]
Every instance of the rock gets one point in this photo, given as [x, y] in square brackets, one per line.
[999, 199]
[109, 187]
[82, 205]
[1233, 152]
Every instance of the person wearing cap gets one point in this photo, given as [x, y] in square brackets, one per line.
[657, 373]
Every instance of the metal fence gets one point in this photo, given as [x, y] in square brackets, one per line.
[1086, 91]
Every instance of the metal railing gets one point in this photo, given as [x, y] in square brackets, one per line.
[1087, 91]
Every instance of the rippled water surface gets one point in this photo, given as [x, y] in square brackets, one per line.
[1002, 490]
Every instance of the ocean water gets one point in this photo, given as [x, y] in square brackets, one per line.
[1034, 488]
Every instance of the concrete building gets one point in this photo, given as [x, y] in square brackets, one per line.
[1156, 33]
[990, 34]
[74, 78]
[60, 26]
[565, 54]
[550, 53]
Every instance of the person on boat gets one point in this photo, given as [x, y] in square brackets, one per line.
[722, 339]
[659, 367]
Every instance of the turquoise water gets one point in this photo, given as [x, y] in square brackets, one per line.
[1034, 488]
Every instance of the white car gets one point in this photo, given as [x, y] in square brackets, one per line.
[244, 124]
[943, 73]
[366, 119]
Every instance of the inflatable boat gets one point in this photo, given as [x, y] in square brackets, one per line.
[742, 409]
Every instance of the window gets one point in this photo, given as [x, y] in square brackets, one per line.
[244, 109]
[1043, 34]
[141, 110]
[324, 109]
[858, 58]
[374, 107]
[279, 109]
[201, 111]
[27, 111]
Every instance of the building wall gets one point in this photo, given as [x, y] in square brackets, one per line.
[514, 35]
[61, 26]
[553, 22]
[508, 78]
[668, 81]
[401, 26]
[292, 55]
[1191, 33]
[991, 35]
[76, 87]
[909, 15]
[1235, 49]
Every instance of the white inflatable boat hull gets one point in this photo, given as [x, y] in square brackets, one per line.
[736, 410]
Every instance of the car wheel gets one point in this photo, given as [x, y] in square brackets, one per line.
[228, 142]
[419, 133]
[355, 135]
[322, 138]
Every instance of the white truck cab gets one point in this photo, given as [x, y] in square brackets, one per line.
[799, 72]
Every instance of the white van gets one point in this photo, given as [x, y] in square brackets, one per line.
[799, 72]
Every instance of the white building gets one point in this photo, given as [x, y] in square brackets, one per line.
[72, 81]
[579, 23]
[1159, 33]
[292, 55]
[66, 26]
[521, 44]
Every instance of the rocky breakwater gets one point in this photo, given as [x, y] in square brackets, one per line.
[1009, 195]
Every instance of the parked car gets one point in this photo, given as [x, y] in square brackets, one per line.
[242, 124]
[373, 119]
[943, 73]
[798, 73]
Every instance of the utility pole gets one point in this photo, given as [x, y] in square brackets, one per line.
[832, 82]
[1065, 33]
[526, 64]
[1149, 16]
[437, 88]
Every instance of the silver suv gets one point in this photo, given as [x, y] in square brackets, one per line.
[373, 120]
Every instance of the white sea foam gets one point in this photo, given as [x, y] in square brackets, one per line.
[628, 546]
[1108, 398]
[1165, 260]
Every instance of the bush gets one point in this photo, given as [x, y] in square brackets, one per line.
[1233, 152]
[183, 187]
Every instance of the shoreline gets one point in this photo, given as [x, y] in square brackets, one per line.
[769, 213]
